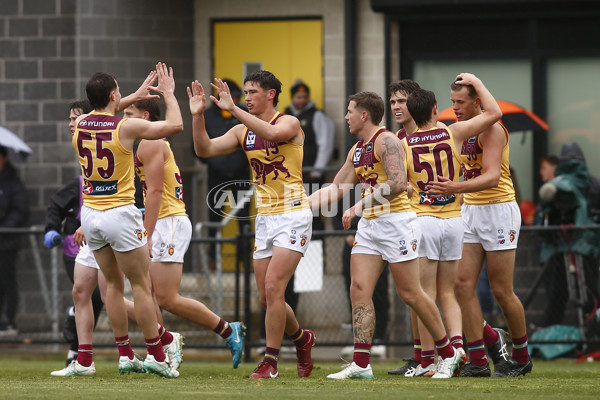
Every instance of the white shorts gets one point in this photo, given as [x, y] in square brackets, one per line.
[171, 239]
[494, 226]
[290, 230]
[442, 238]
[122, 228]
[86, 257]
[394, 236]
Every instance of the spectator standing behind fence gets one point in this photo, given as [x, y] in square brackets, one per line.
[226, 168]
[319, 133]
[564, 201]
[14, 211]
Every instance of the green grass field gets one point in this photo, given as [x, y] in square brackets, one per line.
[30, 379]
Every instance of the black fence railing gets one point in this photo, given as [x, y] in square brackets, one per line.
[562, 290]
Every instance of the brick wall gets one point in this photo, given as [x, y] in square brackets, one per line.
[48, 51]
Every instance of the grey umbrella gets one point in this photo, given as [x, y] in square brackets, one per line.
[14, 143]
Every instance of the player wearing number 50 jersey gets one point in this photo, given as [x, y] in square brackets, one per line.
[111, 223]
[431, 155]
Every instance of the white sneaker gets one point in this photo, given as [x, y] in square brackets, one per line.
[127, 366]
[75, 369]
[174, 350]
[159, 368]
[447, 368]
[427, 371]
[353, 371]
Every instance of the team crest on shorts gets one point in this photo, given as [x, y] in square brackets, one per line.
[145, 233]
[139, 234]
[501, 238]
[354, 244]
[303, 240]
[413, 244]
[511, 235]
[255, 247]
[170, 249]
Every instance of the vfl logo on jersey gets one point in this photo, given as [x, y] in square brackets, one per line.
[356, 158]
[179, 193]
[427, 200]
[293, 236]
[261, 169]
[99, 188]
[250, 140]
[511, 235]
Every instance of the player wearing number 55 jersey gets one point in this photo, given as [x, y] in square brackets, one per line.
[432, 155]
[111, 223]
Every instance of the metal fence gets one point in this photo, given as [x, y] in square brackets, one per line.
[563, 291]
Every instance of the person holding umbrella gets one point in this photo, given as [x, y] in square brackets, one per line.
[14, 211]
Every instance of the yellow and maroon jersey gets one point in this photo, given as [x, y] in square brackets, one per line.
[171, 201]
[277, 173]
[401, 133]
[429, 154]
[472, 166]
[106, 166]
[371, 173]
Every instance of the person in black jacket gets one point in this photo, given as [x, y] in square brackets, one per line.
[14, 211]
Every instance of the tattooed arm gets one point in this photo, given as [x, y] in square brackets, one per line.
[393, 157]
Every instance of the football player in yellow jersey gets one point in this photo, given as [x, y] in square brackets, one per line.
[112, 225]
[273, 144]
[170, 231]
[388, 231]
[431, 152]
[492, 223]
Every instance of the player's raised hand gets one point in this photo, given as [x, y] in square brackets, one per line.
[197, 98]
[143, 92]
[466, 79]
[166, 82]
[224, 102]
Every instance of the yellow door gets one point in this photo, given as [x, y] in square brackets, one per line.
[290, 49]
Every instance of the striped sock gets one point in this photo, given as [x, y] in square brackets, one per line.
[490, 336]
[362, 354]
[417, 350]
[299, 338]
[154, 347]
[124, 346]
[520, 351]
[85, 355]
[223, 329]
[271, 356]
[427, 358]
[477, 354]
[457, 342]
[165, 336]
[444, 349]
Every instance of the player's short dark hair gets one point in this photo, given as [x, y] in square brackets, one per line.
[83, 105]
[552, 160]
[420, 103]
[267, 81]
[372, 103]
[455, 87]
[405, 86]
[151, 106]
[99, 87]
